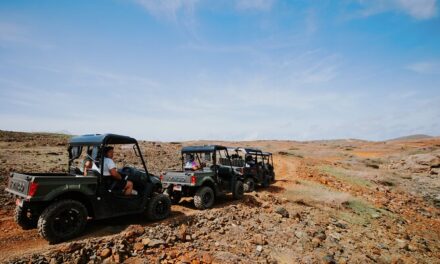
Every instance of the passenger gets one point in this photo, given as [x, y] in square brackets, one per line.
[109, 170]
[249, 161]
[191, 164]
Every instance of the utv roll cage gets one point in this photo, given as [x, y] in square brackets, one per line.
[206, 149]
[77, 143]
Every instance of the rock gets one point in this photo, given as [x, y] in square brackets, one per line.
[329, 259]
[259, 248]
[402, 244]
[316, 242]
[340, 225]
[412, 247]
[146, 241]
[117, 258]
[259, 239]
[207, 258]
[106, 252]
[185, 260]
[138, 246]
[155, 242]
[181, 234]
[282, 211]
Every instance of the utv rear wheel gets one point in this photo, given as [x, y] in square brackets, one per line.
[159, 207]
[238, 190]
[204, 198]
[25, 217]
[62, 220]
[249, 185]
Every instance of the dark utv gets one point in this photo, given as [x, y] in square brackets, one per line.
[213, 177]
[255, 166]
[59, 204]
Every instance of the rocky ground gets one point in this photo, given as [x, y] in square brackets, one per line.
[342, 201]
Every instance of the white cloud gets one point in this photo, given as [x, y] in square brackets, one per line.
[169, 9]
[425, 67]
[419, 9]
[263, 5]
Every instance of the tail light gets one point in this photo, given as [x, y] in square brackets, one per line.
[193, 180]
[32, 189]
[161, 177]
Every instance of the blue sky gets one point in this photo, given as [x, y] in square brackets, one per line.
[223, 69]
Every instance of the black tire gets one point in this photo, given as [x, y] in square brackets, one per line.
[249, 185]
[204, 198]
[25, 217]
[238, 192]
[62, 220]
[266, 181]
[159, 207]
[176, 197]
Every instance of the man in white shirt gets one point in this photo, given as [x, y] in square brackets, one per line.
[109, 170]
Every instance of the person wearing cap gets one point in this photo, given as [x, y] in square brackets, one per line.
[109, 170]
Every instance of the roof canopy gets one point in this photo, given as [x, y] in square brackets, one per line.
[249, 150]
[207, 148]
[101, 139]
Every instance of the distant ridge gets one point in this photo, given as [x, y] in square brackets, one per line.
[410, 137]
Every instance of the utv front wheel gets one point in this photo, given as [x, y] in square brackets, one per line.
[25, 217]
[238, 190]
[159, 207]
[249, 185]
[204, 198]
[62, 220]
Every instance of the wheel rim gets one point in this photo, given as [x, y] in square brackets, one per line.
[67, 221]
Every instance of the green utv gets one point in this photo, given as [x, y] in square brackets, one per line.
[206, 174]
[255, 166]
[60, 204]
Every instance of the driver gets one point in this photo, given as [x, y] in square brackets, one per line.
[191, 164]
[110, 171]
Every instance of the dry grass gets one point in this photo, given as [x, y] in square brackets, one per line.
[343, 176]
[315, 193]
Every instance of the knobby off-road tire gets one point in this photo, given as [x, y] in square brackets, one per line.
[238, 192]
[62, 220]
[175, 197]
[25, 217]
[249, 185]
[204, 198]
[159, 207]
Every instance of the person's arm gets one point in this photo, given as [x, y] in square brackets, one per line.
[112, 168]
[86, 167]
[115, 174]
